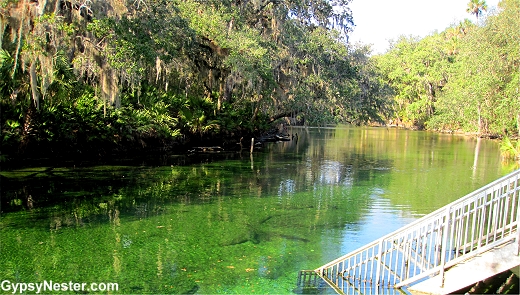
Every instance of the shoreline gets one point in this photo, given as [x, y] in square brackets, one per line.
[56, 153]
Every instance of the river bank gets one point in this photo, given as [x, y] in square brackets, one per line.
[143, 150]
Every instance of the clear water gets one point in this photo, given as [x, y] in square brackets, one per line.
[231, 222]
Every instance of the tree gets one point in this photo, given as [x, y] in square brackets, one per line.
[417, 70]
[476, 7]
[372, 95]
[482, 90]
[132, 71]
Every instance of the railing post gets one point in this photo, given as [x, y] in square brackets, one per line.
[444, 245]
[518, 223]
[517, 192]
[517, 238]
[380, 260]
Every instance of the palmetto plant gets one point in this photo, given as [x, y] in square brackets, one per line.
[510, 149]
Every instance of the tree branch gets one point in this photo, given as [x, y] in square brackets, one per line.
[281, 115]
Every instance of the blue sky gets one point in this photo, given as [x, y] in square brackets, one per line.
[378, 21]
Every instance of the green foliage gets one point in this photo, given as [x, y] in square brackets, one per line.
[417, 70]
[193, 116]
[153, 122]
[11, 132]
[72, 124]
[510, 149]
[4, 3]
[372, 94]
[465, 78]
[6, 66]
[482, 93]
[164, 71]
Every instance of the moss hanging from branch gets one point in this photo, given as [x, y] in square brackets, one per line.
[34, 84]
[109, 87]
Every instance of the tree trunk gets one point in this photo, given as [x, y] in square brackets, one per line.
[221, 93]
[3, 25]
[27, 127]
[479, 120]
[255, 112]
[41, 6]
[226, 89]
[518, 124]
[431, 96]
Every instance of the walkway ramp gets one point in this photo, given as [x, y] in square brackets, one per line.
[470, 272]
[435, 254]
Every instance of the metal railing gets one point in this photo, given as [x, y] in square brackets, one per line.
[481, 220]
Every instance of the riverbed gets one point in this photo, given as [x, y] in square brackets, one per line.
[236, 222]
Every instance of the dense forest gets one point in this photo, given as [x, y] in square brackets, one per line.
[112, 75]
[103, 77]
[465, 78]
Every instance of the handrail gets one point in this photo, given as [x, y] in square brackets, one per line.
[475, 223]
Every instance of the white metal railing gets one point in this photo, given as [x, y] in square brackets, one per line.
[481, 220]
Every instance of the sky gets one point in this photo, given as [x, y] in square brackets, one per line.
[378, 21]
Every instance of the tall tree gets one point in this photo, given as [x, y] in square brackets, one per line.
[482, 90]
[149, 70]
[417, 70]
[477, 7]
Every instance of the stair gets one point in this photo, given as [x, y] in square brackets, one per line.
[451, 249]
[470, 272]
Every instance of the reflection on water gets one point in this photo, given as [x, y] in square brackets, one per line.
[333, 172]
[231, 222]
